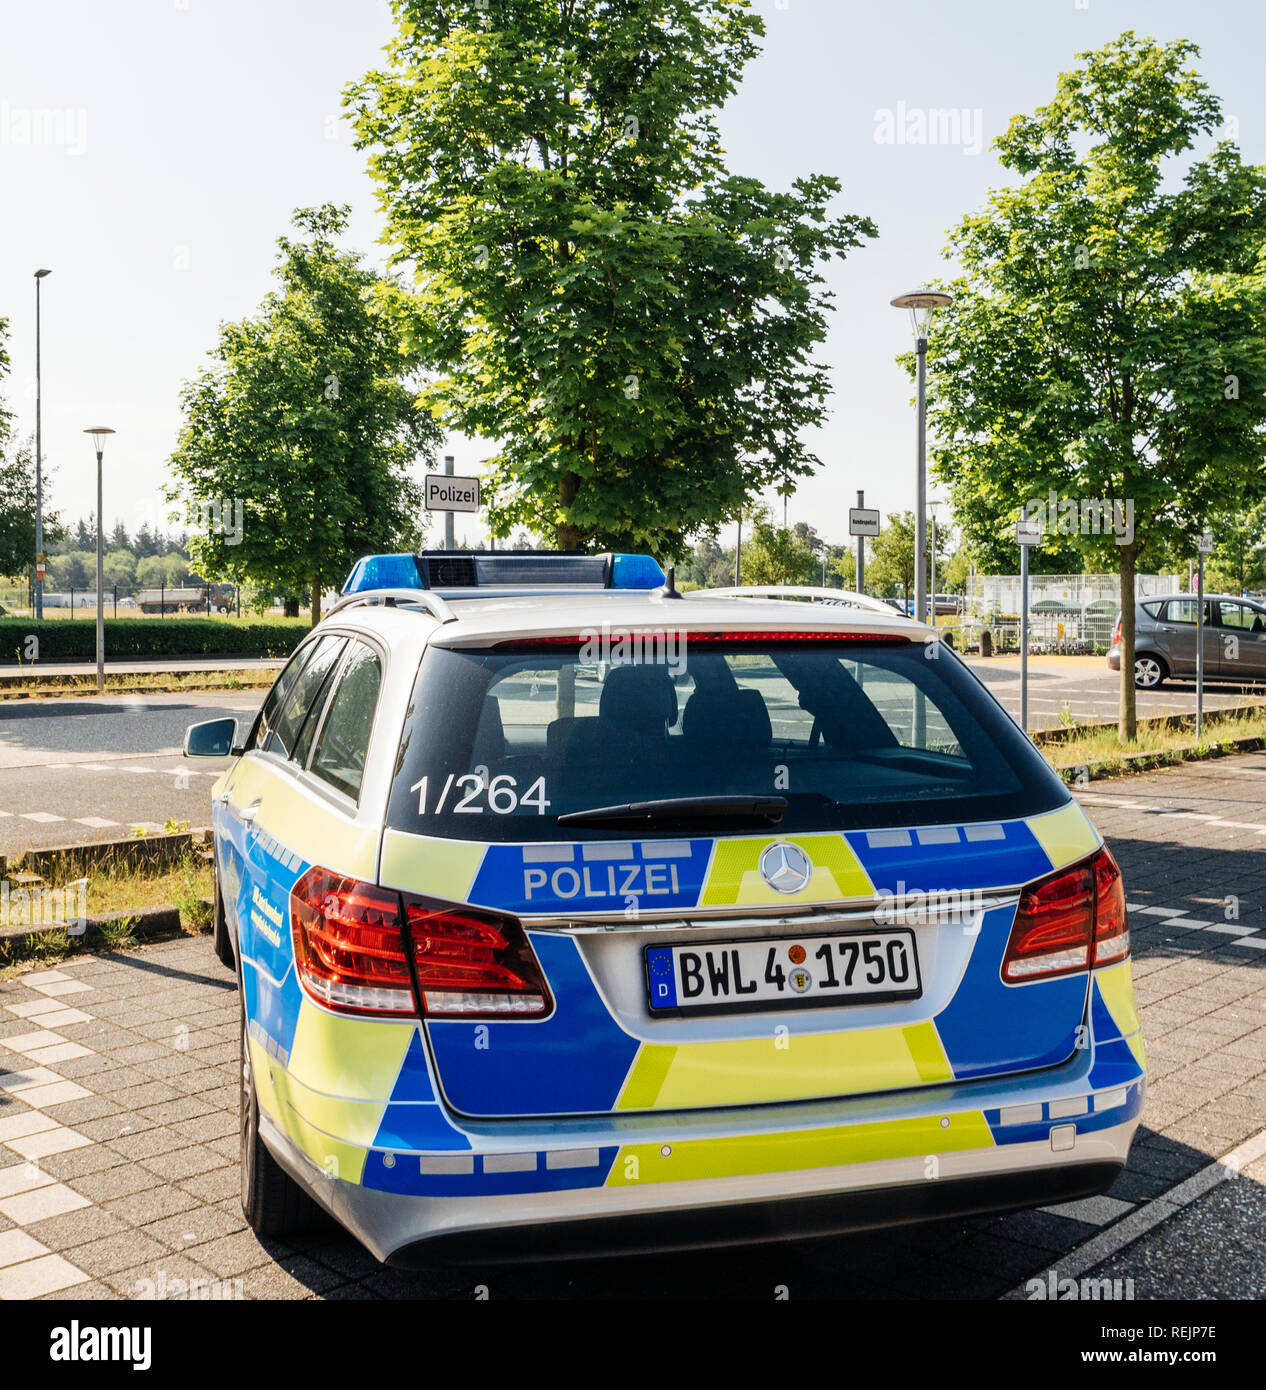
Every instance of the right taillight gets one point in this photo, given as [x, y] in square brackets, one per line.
[353, 943]
[1069, 922]
[1116, 635]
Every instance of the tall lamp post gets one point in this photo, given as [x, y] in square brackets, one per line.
[921, 304]
[933, 503]
[39, 461]
[99, 433]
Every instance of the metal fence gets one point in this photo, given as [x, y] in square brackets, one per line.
[1071, 613]
[127, 600]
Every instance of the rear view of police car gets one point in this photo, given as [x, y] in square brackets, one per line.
[569, 910]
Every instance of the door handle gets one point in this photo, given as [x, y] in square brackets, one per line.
[248, 813]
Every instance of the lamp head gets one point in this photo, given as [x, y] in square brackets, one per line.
[922, 303]
[40, 274]
[99, 433]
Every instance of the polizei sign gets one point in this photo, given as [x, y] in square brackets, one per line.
[445, 493]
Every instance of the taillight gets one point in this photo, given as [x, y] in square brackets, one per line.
[1116, 635]
[1068, 922]
[471, 962]
[350, 949]
[348, 946]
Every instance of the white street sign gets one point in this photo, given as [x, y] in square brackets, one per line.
[1205, 545]
[1028, 532]
[446, 493]
[863, 521]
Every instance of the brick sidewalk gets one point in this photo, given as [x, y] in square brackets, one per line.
[118, 1114]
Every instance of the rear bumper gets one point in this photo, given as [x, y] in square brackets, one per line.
[756, 1174]
[1114, 659]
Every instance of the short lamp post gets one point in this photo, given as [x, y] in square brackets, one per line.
[921, 304]
[99, 433]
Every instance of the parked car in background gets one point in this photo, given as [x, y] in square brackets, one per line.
[1165, 630]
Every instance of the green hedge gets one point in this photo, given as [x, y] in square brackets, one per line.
[60, 640]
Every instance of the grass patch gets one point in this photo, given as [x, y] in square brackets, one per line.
[1102, 746]
[119, 889]
[157, 682]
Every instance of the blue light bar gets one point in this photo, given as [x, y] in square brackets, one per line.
[456, 570]
[635, 572]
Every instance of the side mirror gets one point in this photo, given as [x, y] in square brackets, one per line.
[216, 738]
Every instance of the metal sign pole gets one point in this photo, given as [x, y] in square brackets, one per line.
[448, 516]
[861, 550]
[1024, 629]
[1199, 645]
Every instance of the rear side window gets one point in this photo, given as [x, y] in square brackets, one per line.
[343, 742]
[1152, 609]
[500, 743]
[303, 697]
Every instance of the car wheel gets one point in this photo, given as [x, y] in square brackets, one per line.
[221, 942]
[1149, 672]
[272, 1202]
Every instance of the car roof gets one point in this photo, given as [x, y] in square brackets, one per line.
[474, 621]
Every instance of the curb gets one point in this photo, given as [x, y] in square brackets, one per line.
[73, 861]
[1160, 721]
[146, 925]
[1128, 763]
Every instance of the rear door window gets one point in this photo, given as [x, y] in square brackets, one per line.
[343, 742]
[303, 698]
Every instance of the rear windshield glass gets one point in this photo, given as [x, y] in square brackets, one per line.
[498, 744]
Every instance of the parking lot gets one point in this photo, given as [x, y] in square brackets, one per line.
[118, 1122]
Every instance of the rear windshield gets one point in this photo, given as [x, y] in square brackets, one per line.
[498, 744]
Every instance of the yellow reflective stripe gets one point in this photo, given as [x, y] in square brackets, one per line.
[439, 868]
[785, 1066]
[1066, 835]
[1116, 989]
[646, 1077]
[303, 822]
[742, 1155]
[273, 1090]
[357, 1058]
[734, 877]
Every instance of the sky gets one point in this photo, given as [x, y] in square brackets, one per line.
[177, 136]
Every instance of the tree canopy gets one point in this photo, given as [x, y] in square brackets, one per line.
[308, 418]
[1107, 339]
[630, 322]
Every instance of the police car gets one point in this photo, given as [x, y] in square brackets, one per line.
[567, 911]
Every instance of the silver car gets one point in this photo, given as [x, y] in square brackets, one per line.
[1165, 628]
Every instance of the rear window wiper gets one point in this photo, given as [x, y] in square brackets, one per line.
[761, 810]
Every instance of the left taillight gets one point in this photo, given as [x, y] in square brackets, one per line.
[353, 941]
[349, 948]
[1072, 921]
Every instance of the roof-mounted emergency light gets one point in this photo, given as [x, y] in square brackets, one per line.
[455, 570]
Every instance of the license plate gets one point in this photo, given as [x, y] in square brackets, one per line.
[783, 972]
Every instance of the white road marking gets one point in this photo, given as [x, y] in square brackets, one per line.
[1143, 1219]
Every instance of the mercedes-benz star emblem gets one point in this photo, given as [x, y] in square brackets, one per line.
[785, 868]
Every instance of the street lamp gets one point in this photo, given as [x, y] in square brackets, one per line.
[99, 433]
[933, 503]
[921, 304]
[39, 460]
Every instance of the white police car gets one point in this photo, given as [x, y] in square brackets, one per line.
[567, 911]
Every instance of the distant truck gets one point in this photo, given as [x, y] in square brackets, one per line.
[187, 599]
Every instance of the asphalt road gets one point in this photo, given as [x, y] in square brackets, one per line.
[118, 1125]
[76, 770]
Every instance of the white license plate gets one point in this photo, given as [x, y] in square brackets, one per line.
[783, 972]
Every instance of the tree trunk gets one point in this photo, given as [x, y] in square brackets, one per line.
[1127, 724]
[316, 600]
[290, 608]
[567, 533]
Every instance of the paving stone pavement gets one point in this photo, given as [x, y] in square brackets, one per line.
[118, 1118]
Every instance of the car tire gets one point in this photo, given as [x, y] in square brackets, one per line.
[272, 1202]
[221, 942]
[1149, 672]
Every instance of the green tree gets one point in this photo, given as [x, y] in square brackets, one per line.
[1238, 561]
[890, 558]
[775, 554]
[119, 567]
[1108, 337]
[595, 289]
[306, 417]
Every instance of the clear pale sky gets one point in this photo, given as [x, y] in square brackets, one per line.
[187, 130]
